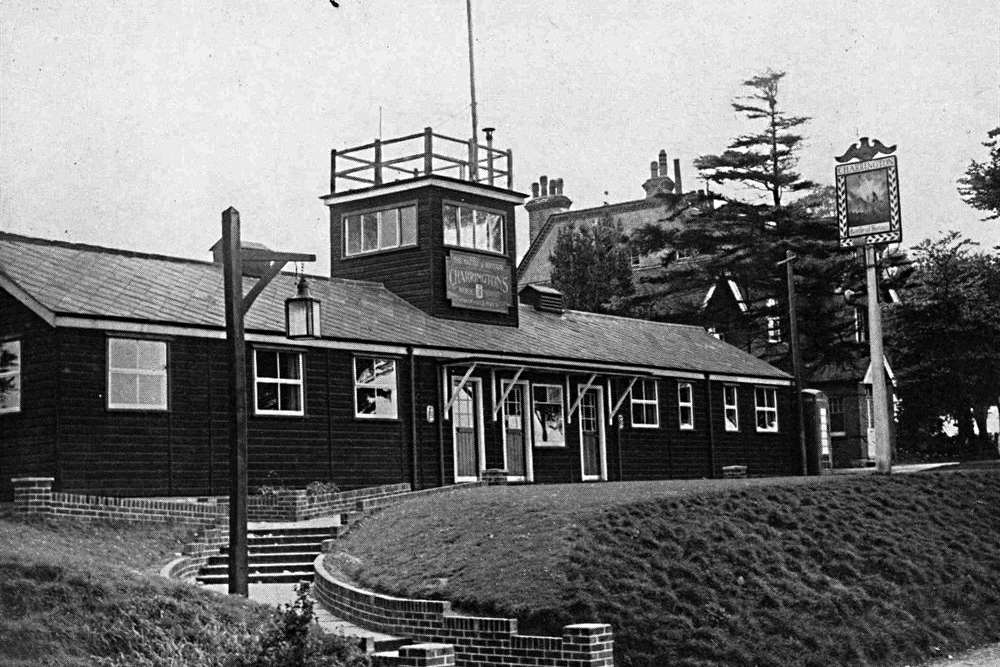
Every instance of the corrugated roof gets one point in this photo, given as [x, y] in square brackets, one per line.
[89, 281]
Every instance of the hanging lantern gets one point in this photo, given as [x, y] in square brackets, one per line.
[302, 315]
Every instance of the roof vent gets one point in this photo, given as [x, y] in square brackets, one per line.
[543, 298]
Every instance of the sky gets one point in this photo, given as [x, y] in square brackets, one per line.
[134, 124]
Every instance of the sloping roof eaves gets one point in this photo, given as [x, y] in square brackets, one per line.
[86, 281]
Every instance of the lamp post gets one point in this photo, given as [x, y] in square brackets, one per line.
[236, 307]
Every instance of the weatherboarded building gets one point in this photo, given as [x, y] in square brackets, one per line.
[431, 367]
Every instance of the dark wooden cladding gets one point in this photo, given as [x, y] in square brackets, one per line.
[28, 439]
[417, 274]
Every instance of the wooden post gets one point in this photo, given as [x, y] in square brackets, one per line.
[793, 332]
[233, 279]
[333, 171]
[428, 151]
[378, 162]
[880, 408]
[510, 170]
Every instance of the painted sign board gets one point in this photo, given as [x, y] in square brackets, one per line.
[868, 202]
[479, 282]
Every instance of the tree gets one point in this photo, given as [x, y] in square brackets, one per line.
[766, 159]
[944, 337]
[980, 187]
[591, 266]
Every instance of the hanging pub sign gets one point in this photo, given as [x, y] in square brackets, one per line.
[868, 195]
[477, 281]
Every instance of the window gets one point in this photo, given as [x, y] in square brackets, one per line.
[730, 407]
[547, 415]
[137, 374]
[374, 388]
[715, 333]
[838, 422]
[277, 382]
[474, 228]
[645, 404]
[773, 323]
[685, 405]
[380, 230]
[766, 399]
[10, 376]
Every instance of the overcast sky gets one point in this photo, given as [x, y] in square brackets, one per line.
[134, 124]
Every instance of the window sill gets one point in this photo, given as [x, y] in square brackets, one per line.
[275, 413]
[366, 418]
[381, 251]
[543, 446]
[481, 251]
[685, 428]
[136, 408]
[646, 426]
[768, 430]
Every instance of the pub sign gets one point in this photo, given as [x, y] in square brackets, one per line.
[868, 196]
[479, 282]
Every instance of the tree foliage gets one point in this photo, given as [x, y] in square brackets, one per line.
[980, 187]
[943, 336]
[591, 265]
[765, 159]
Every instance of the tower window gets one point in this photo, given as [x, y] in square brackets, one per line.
[383, 229]
[468, 227]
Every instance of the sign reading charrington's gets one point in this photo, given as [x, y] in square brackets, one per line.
[477, 281]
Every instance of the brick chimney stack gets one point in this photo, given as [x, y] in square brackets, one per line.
[659, 183]
[547, 199]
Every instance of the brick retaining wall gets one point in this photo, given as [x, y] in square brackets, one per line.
[478, 642]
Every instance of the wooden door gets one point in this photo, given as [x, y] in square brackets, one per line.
[515, 437]
[465, 429]
[592, 435]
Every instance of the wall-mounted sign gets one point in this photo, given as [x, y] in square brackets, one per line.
[479, 282]
[868, 196]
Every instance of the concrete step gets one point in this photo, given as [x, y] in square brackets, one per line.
[284, 538]
[281, 547]
[276, 557]
[255, 577]
[298, 565]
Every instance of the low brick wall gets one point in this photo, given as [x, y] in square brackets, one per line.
[194, 555]
[34, 496]
[298, 505]
[477, 641]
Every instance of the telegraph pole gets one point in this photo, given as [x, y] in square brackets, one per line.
[793, 341]
[880, 399]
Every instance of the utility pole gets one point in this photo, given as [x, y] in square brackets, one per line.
[880, 407]
[474, 161]
[793, 342]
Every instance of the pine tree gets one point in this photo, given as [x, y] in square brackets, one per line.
[591, 266]
[765, 159]
[980, 187]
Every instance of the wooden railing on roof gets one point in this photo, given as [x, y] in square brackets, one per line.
[423, 154]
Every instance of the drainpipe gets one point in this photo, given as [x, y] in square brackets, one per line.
[711, 428]
[441, 377]
[413, 418]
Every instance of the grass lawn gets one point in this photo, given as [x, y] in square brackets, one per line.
[74, 593]
[799, 571]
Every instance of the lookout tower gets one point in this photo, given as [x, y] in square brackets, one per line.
[432, 218]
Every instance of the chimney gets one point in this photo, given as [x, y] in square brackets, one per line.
[678, 188]
[659, 184]
[547, 200]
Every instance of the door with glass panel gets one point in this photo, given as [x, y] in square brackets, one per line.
[515, 432]
[592, 446]
[466, 424]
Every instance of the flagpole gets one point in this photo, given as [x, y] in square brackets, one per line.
[472, 76]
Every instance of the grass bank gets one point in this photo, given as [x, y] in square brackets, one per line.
[87, 594]
[849, 570]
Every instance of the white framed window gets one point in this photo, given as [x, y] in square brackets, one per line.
[277, 382]
[384, 229]
[547, 415]
[470, 227]
[645, 404]
[731, 407]
[685, 406]
[773, 322]
[375, 395]
[766, 405]
[10, 376]
[838, 422]
[137, 374]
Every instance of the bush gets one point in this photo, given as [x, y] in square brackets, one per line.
[317, 488]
